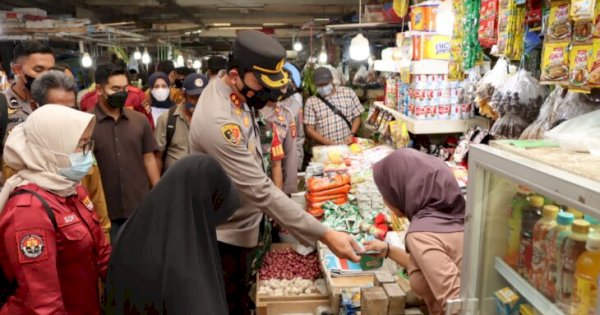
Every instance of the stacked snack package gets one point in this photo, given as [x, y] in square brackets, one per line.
[332, 188]
[455, 65]
[511, 29]
[491, 81]
[518, 104]
[488, 24]
[471, 49]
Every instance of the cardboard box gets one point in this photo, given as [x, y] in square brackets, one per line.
[382, 278]
[396, 298]
[373, 301]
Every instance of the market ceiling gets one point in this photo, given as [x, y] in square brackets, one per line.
[206, 25]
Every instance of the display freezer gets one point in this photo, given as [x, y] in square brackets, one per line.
[495, 175]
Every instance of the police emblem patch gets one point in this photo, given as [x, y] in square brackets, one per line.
[232, 133]
[32, 245]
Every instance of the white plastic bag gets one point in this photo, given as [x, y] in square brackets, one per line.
[575, 134]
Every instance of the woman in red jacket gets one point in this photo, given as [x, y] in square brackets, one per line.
[53, 250]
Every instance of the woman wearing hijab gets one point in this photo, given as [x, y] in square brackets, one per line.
[423, 189]
[159, 97]
[53, 250]
[166, 258]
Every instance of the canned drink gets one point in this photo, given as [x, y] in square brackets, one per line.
[455, 109]
[411, 106]
[432, 109]
[465, 110]
[444, 111]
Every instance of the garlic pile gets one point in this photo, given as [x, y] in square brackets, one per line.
[294, 287]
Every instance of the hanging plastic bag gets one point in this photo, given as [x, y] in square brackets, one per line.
[577, 133]
[523, 91]
[493, 80]
[537, 129]
[361, 76]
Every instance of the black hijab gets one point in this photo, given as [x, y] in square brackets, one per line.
[166, 259]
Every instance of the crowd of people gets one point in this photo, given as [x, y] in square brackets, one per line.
[184, 179]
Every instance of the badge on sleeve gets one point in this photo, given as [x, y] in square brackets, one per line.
[88, 203]
[31, 246]
[232, 133]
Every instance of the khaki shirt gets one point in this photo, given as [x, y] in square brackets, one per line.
[283, 121]
[180, 146]
[228, 133]
[93, 184]
[18, 110]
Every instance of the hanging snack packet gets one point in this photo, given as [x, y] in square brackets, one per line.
[580, 59]
[582, 9]
[555, 63]
[583, 32]
[488, 22]
[594, 79]
[559, 26]
[596, 20]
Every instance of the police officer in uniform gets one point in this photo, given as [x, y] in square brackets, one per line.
[278, 136]
[224, 127]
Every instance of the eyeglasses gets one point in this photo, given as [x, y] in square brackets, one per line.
[88, 147]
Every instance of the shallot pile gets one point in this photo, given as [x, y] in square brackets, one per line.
[288, 265]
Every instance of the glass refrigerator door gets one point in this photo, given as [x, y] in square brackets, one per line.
[499, 236]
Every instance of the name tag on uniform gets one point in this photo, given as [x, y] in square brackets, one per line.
[67, 219]
[88, 203]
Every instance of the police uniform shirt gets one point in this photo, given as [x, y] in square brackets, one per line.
[224, 128]
[278, 137]
[18, 109]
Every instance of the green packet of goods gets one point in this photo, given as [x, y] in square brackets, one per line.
[370, 262]
[531, 144]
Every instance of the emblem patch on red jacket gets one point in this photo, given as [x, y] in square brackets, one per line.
[31, 246]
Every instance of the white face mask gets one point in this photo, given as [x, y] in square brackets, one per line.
[161, 94]
[326, 90]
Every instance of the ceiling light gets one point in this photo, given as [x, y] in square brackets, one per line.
[240, 28]
[298, 46]
[146, 57]
[359, 48]
[137, 55]
[321, 19]
[274, 24]
[221, 24]
[323, 57]
[197, 64]
[180, 61]
[86, 60]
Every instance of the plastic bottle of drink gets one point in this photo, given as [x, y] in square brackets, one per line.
[515, 215]
[531, 214]
[587, 269]
[578, 215]
[540, 231]
[571, 249]
[554, 240]
[594, 223]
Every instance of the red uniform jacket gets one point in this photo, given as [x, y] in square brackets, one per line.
[56, 272]
[135, 98]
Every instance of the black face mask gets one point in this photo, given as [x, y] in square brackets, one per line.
[29, 82]
[117, 100]
[178, 83]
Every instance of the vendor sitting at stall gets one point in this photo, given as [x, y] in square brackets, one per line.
[423, 189]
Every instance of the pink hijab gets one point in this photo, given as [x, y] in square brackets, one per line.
[424, 188]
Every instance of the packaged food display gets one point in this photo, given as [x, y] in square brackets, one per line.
[422, 16]
[507, 302]
[471, 49]
[555, 63]
[511, 29]
[582, 9]
[534, 11]
[596, 21]
[427, 47]
[559, 28]
[594, 78]
[488, 23]
[580, 61]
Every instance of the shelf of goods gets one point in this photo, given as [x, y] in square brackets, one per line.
[533, 296]
[416, 67]
[421, 127]
[504, 184]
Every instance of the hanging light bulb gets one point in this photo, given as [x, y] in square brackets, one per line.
[359, 48]
[323, 57]
[298, 46]
[180, 61]
[86, 60]
[146, 56]
[137, 55]
[197, 64]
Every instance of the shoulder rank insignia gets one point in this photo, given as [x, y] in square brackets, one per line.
[235, 100]
[277, 153]
[293, 130]
[232, 133]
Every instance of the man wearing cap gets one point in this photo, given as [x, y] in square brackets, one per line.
[224, 127]
[173, 127]
[333, 115]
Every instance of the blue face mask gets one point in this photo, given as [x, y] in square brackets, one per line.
[325, 90]
[80, 166]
